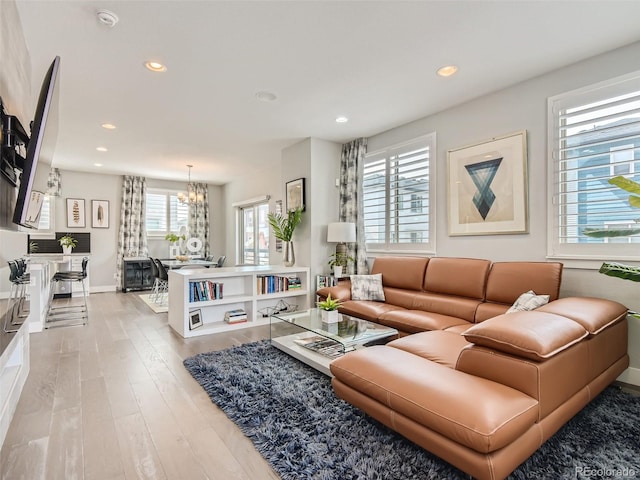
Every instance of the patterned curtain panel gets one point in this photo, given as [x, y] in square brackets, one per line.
[132, 237]
[199, 218]
[351, 208]
[54, 183]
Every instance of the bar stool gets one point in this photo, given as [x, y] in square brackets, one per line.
[163, 283]
[156, 280]
[70, 315]
[17, 296]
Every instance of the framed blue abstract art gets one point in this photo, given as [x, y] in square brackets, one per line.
[487, 187]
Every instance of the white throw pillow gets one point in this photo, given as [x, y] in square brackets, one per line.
[367, 287]
[528, 301]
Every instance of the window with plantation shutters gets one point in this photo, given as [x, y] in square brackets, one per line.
[594, 135]
[397, 197]
[45, 223]
[164, 213]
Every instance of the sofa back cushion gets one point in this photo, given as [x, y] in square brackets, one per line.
[508, 280]
[462, 277]
[401, 272]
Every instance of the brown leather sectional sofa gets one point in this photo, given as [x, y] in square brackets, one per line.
[479, 388]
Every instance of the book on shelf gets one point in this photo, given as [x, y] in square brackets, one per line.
[238, 315]
[204, 290]
[276, 283]
[326, 281]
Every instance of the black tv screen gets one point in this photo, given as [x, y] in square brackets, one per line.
[44, 134]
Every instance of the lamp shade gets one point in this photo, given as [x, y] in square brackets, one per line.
[341, 232]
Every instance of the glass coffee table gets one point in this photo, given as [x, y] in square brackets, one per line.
[305, 336]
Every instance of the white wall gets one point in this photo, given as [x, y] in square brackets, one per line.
[104, 241]
[255, 183]
[325, 170]
[523, 107]
[15, 90]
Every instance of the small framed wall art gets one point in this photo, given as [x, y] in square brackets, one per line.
[75, 213]
[295, 194]
[487, 187]
[100, 213]
[195, 319]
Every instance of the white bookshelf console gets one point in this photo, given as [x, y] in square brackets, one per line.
[240, 291]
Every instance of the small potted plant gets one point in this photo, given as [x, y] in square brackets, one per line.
[68, 243]
[338, 262]
[174, 249]
[329, 309]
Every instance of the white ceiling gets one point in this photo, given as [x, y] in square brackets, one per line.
[374, 62]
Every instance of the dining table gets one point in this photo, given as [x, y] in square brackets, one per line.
[172, 264]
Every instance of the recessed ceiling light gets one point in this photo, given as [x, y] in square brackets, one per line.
[265, 96]
[155, 66]
[342, 119]
[107, 18]
[447, 70]
[108, 126]
[102, 149]
[97, 164]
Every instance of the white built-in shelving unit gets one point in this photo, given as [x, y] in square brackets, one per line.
[240, 291]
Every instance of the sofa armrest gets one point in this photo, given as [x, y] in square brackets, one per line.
[533, 335]
[594, 314]
[341, 292]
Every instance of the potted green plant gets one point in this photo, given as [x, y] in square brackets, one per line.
[338, 262]
[174, 249]
[283, 227]
[329, 309]
[173, 238]
[68, 243]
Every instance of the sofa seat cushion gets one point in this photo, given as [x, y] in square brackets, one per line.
[594, 314]
[438, 346]
[415, 321]
[534, 335]
[473, 411]
[366, 309]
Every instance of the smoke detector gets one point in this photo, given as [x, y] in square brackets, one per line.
[107, 18]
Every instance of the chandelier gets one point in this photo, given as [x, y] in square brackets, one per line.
[191, 197]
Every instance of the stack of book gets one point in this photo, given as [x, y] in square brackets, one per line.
[294, 283]
[235, 316]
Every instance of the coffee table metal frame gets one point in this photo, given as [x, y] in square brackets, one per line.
[289, 331]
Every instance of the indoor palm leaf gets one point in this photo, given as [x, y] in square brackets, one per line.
[634, 200]
[283, 226]
[618, 270]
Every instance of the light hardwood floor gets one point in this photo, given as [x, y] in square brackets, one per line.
[112, 400]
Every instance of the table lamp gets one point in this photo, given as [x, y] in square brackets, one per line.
[341, 233]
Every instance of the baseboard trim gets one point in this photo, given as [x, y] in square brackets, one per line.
[631, 376]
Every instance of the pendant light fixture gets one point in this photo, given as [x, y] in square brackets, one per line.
[191, 197]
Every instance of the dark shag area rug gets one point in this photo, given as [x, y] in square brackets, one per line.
[290, 413]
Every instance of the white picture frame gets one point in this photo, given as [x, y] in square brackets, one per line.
[100, 213]
[76, 213]
[487, 187]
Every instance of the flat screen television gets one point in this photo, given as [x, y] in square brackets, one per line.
[44, 134]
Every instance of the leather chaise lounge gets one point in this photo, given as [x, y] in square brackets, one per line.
[481, 388]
